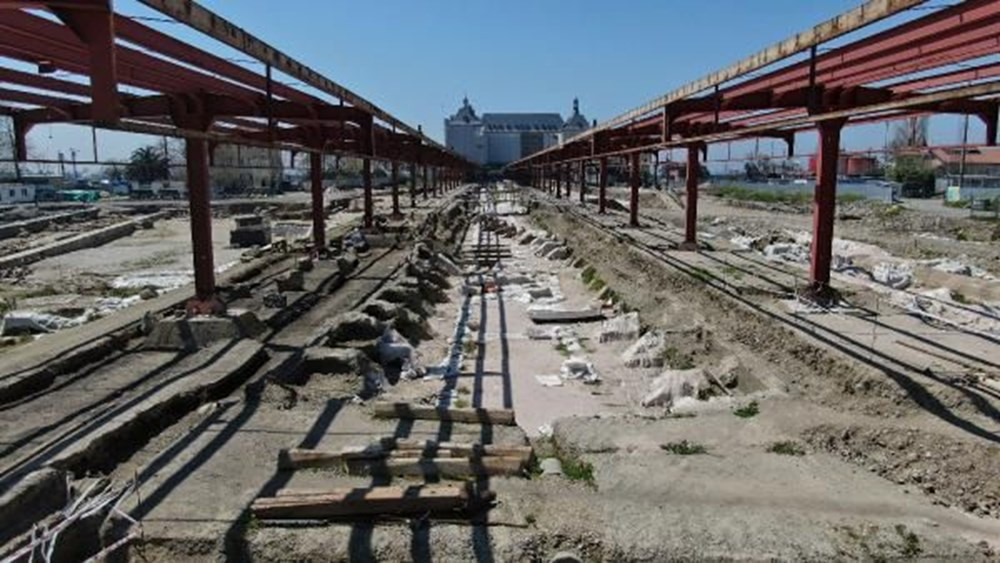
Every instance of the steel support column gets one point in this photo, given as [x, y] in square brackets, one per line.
[423, 189]
[558, 174]
[633, 203]
[318, 206]
[583, 181]
[413, 184]
[366, 173]
[824, 207]
[568, 177]
[602, 186]
[691, 208]
[395, 189]
[205, 301]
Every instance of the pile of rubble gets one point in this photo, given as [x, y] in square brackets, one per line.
[379, 341]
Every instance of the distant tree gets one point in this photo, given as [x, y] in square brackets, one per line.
[913, 172]
[113, 173]
[759, 167]
[147, 164]
[7, 148]
[909, 132]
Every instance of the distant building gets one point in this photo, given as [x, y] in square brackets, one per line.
[852, 165]
[979, 161]
[501, 138]
[17, 193]
[239, 169]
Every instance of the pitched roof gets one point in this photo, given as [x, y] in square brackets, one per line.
[522, 121]
[980, 155]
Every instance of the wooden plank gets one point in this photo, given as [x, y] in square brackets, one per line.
[579, 316]
[417, 499]
[851, 20]
[427, 412]
[312, 459]
[300, 458]
[460, 449]
[414, 465]
[447, 467]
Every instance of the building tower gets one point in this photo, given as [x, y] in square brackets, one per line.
[463, 133]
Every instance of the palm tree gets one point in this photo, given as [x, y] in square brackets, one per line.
[146, 165]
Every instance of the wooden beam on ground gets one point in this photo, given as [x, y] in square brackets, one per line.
[426, 412]
[446, 467]
[459, 449]
[373, 501]
[299, 458]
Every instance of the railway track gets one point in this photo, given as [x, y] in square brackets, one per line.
[42, 426]
[889, 339]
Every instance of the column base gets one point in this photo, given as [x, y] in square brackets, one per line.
[210, 306]
[820, 293]
[688, 246]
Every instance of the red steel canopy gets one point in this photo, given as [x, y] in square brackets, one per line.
[905, 70]
[190, 92]
[943, 62]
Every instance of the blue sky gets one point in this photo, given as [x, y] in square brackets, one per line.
[416, 59]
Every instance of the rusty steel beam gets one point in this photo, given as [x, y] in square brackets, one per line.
[784, 126]
[33, 38]
[92, 22]
[219, 104]
[961, 32]
[154, 40]
[41, 82]
[866, 14]
[231, 94]
[979, 90]
[221, 29]
[917, 40]
[857, 18]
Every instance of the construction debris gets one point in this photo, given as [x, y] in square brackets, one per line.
[648, 351]
[672, 385]
[622, 327]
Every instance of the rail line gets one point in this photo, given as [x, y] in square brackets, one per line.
[849, 342]
[49, 439]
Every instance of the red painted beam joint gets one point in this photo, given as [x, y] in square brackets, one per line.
[93, 23]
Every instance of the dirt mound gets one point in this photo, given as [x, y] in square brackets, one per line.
[954, 473]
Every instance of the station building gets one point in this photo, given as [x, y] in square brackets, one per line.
[495, 139]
